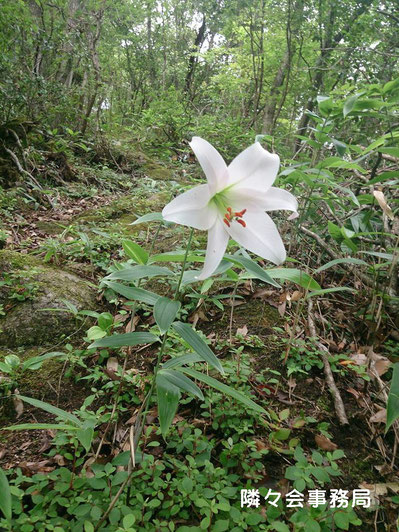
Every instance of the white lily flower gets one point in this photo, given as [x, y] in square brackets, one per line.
[233, 203]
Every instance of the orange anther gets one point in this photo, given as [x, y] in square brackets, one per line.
[242, 223]
[229, 209]
[226, 222]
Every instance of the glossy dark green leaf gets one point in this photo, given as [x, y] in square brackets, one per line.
[168, 399]
[198, 344]
[210, 381]
[127, 339]
[132, 293]
[165, 311]
[182, 382]
[135, 252]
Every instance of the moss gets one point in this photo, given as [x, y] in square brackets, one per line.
[27, 322]
[50, 227]
[14, 260]
[124, 209]
[158, 172]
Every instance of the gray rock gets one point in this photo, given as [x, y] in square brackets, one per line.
[25, 323]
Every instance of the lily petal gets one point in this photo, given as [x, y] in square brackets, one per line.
[254, 168]
[275, 199]
[192, 208]
[212, 164]
[259, 236]
[218, 238]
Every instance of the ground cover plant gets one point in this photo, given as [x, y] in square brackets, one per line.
[199, 266]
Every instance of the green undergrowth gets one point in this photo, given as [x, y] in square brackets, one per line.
[191, 481]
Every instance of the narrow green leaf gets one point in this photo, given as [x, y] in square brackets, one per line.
[165, 311]
[341, 261]
[134, 273]
[150, 217]
[168, 399]
[62, 414]
[210, 381]
[41, 426]
[175, 257]
[128, 339]
[295, 276]
[135, 252]
[36, 362]
[182, 381]
[393, 398]
[253, 268]
[5, 496]
[324, 291]
[197, 343]
[176, 362]
[132, 293]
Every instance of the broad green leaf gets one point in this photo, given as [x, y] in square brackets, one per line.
[335, 231]
[36, 362]
[391, 85]
[176, 362]
[5, 496]
[95, 333]
[341, 519]
[62, 414]
[135, 273]
[228, 390]
[253, 268]
[128, 339]
[168, 399]
[197, 343]
[349, 260]
[325, 104]
[132, 293]
[150, 217]
[13, 361]
[295, 276]
[5, 368]
[165, 311]
[324, 291]
[135, 252]
[350, 103]
[85, 437]
[393, 398]
[105, 320]
[181, 381]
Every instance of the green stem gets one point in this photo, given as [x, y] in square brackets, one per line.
[139, 425]
[184, 264]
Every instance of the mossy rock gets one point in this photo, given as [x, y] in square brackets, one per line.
[26, 323]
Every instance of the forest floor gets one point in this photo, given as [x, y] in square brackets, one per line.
[260, 332]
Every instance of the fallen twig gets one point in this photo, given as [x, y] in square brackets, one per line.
[339, 405]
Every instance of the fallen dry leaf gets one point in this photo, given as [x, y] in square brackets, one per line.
[360, 359]
[382, 202]
[260, 445]
[325, 443]
[379, 417]
[243, 331]
[18, 404]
